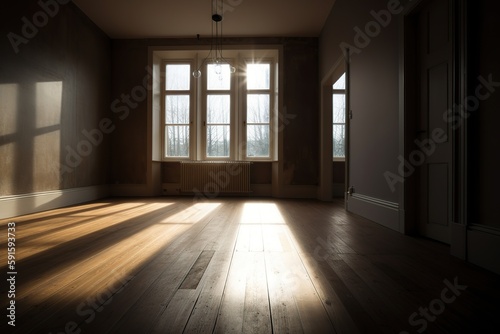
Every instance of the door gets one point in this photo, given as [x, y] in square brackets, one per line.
[434, 135]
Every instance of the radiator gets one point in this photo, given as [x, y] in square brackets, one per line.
[214, 177]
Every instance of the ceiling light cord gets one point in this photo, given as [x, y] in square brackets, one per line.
[216, 42]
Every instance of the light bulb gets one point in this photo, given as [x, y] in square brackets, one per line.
[197, 74]
[218, 68]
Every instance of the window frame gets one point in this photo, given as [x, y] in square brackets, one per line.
[337, 91]
[192, 108]
[272, 108]
[205, 92]
[198, 102]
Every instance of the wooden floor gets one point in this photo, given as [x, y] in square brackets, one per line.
[170, 265]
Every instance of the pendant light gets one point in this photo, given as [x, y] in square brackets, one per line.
[215, 54]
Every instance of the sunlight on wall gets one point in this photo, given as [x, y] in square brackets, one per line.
[8, 105]
[47, 143]
[48, 103]
[8, 126]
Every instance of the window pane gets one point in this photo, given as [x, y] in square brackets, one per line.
[338, 108]
[258, 76]
[218, 140]
[178, 77]
[177, 109]
[258, 108]
[218, 109]
[340, 83]
[177, 141]
[218, 77]
[258, 140]
[339, 141]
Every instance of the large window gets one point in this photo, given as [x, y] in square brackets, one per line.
[221, 115]
[339, 114]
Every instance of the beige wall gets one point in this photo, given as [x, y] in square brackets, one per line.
[374, 92]
[54, 85]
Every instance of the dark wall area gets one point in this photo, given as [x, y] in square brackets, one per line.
[54, 99]
[483, 57]
[300, 100]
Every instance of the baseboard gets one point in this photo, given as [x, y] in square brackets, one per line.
[133, 190]
[18, 205]
[338, 190]
[458, 244]
[171, 189]
[483, 248]
[262, 190]
[258, 190]
[296, 191]
[380, 211]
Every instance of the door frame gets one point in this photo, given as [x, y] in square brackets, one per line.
[408, 113]
[325, 189]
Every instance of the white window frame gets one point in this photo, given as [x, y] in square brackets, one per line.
[192, 108]
[232, 115]
[272, 108]
[238, 91]
[340, 92]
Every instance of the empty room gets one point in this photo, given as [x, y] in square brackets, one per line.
[249, 166]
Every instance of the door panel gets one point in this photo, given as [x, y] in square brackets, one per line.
[435, 98]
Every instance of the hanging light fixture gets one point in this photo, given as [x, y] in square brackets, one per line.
[215, 53]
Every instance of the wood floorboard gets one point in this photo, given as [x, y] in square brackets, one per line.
[237, 265]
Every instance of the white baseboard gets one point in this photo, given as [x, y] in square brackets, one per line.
[483, 248]
[18, 205]
[380, 211]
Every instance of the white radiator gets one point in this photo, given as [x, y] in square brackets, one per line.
[215, 177]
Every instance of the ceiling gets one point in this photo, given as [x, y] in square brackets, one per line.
[187, 18]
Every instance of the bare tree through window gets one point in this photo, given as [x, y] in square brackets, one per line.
[177, 110]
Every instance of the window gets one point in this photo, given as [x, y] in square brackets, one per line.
[221, 115]
[339, 114]
[178, 110]
[218, 111]
[258, 110]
